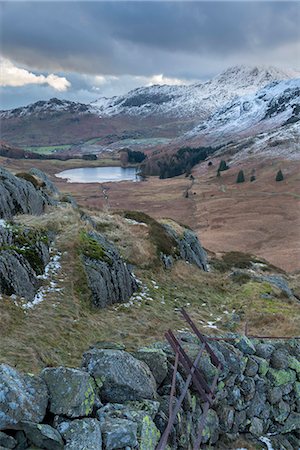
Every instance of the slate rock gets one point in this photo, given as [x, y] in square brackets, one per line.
[119, 433]
[264, 350]
[81, 434]
[156, 360]
[7, 441]
[71, 391]
[251, 368]
[43, 436]
[279, 359]
[274, 395]
[109, 277]
[256, 427]
[22, 398]
[245, 345]
[119, 375]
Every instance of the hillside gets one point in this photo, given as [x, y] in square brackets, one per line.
[147, 113]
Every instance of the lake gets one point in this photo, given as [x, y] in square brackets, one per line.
[100, 174]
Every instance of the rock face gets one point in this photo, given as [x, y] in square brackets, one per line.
[22, 398]
[18, 196]
[108, 276]
[188, 248]
[24, 253]
[257, 397]
[119, 375]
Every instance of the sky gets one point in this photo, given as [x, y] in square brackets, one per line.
[81, 51]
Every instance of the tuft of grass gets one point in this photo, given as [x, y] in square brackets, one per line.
[33, 180]
[158, 234]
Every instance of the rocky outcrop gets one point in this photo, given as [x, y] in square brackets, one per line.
[24, 253]
[188, 249]
[258, 397]
[109, 278]
[20, 196]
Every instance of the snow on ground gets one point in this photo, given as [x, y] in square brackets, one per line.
[51, 271]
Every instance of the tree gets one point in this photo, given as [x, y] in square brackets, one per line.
[240, 177]
[279, 176]
[223, 166]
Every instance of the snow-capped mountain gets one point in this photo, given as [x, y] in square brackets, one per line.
[274, 105]
[42, 107]
[192, 101]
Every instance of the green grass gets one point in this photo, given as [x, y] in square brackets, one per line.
[47, 150]
[65, 324]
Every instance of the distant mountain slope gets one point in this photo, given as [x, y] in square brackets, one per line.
[194, 101]
[273, 106]
[146, 112]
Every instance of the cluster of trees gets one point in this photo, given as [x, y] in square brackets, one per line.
[135, 157]
[183, 161]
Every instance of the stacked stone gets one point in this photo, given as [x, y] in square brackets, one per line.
[120, 400]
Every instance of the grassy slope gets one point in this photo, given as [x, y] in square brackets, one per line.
[63, 326]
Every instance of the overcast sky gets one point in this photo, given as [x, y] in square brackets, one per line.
[84, 50]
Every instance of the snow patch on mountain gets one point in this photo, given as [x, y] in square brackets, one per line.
[272, 106]
[196, 100]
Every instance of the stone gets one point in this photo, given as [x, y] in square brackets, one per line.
[245, 345]
[274, 395]
[109, 278]
[292, 423]
[247, 388]
[279, 359]
[279, 377]
[256, 427]
[149, 434]
[119, 375]
[264, 350]
[211, 429]
[7, 441]
[251, 367]
[156, 359]
[43, 436]
[81, 434]
[22, 397]
[281, 411]
[294, 363]
[72, 391]
[256, 406]
[18, 196]
[119, 433]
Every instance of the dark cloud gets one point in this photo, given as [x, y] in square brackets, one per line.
[142, 38]
[190, 40]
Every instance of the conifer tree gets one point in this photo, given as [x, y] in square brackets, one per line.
[223, 166]
[240, 177]
[279, 176]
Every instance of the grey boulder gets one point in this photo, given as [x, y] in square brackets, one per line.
[22, 398]
[43, 436]
[119, 433]
[81, 434]
[119, 375]
[72, 391]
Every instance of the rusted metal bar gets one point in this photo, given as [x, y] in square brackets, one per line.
[189, 362]
[200, 336]
[164, 439]
[205, 411]
[198, 379]
[173, 386]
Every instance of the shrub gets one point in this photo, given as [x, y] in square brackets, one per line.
[279, 176]
[240, 177]
[252, 178]
[28, 177]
